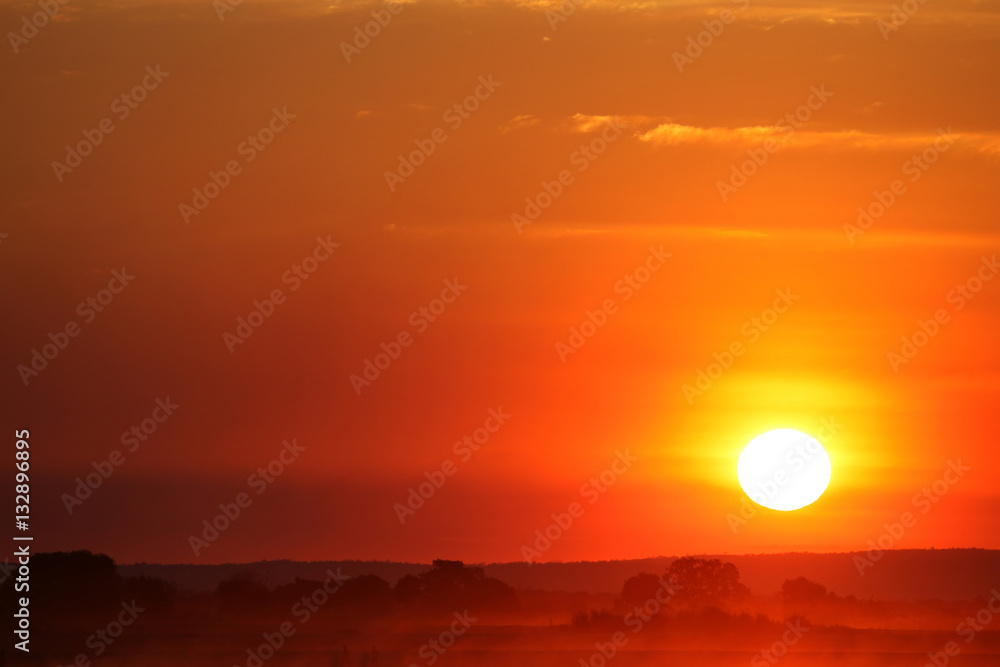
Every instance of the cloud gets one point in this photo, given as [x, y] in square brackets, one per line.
[586, 123]
[520, 122]
[673, 134]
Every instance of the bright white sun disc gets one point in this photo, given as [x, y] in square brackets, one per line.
[784, 469]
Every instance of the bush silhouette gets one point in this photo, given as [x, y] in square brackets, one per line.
[802, 590]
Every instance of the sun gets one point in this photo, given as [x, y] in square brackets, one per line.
[784, 469]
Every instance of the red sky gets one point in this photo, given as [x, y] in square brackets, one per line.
[655, 185]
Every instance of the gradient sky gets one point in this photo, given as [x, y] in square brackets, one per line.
[495, 346]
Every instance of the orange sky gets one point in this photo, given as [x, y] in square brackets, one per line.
[656, 184]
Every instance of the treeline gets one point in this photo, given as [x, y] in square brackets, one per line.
[449, 586]
[84, 585]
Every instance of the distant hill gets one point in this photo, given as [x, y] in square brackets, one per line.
[913, 574]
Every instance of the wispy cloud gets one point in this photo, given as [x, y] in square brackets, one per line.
[520, 122]
[580, 122]
[672, 134]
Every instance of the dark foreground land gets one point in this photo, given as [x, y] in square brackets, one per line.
[695, 611]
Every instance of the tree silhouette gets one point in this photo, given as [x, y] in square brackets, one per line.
[637, 590]
[451, 585]
[72, 593]
[705, 582]
[70, 583]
